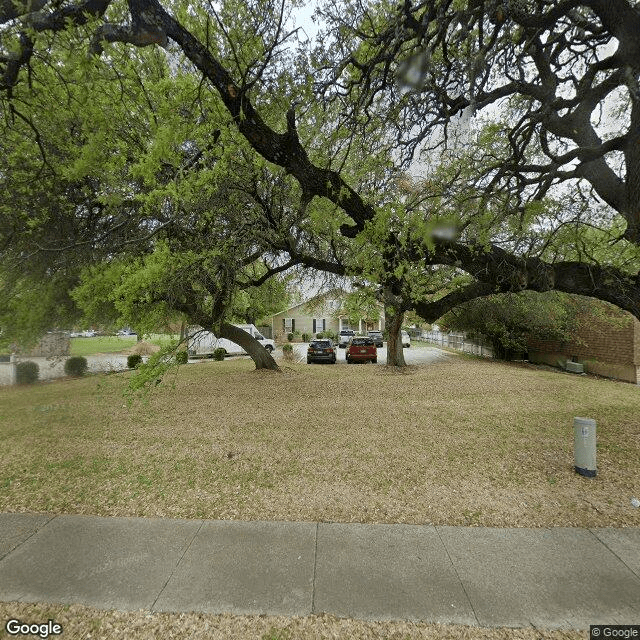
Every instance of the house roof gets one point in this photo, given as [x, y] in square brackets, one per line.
[316, 298]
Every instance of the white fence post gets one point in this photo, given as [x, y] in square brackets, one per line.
[13, 371]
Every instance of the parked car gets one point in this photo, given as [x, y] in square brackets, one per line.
[344, 337]
[377, 338]
[126, 332]
[361, 349]
[90, 333]
[321, 351]
[406, 340]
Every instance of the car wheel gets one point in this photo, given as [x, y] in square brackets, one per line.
[269, 348]
[308, 361]
[375, 361]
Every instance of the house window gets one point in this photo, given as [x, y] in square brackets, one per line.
[319, 324]
[289, 325]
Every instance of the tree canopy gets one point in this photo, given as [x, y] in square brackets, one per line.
[510, 320]
[220, 122]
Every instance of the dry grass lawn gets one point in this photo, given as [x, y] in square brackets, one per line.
[79, 622]
[461, 442]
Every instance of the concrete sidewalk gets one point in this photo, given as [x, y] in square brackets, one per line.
[550, 578]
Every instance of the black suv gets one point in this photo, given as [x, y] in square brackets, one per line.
[321, 351]
[376, 336]
[344, 337]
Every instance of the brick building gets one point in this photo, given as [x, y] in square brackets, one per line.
[606, 344]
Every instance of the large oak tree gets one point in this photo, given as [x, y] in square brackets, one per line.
[547, 198]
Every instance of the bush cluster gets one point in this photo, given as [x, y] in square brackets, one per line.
[287, 351]
[76, 366]
[134, 360]
[510, 320]
[182, 357]
[331, 335]
[27, 372]
[306, 337]
[289, 337]
[219, 354]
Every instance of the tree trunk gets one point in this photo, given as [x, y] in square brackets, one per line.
[260, 356]
[393, 318]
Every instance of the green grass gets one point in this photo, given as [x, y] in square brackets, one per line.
[100, 344]
[161, 339]
[114, 344]
[464, 441]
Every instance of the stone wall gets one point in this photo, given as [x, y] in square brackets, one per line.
[52, 344]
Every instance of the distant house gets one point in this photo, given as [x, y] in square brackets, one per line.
[321, 313]
[606, 344]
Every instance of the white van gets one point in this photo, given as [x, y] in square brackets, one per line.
[202, 344]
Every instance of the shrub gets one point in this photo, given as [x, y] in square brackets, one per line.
[76, 366]
[306, 337]
[320, 335]
[182, 357]
[27, 372]
[287, 350]
[289, 337]
[134, 360]
[219, 354]
[510, 320]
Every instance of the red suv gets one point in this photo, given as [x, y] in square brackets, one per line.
[361, 349]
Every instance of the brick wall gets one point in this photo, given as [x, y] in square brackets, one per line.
[606, 346]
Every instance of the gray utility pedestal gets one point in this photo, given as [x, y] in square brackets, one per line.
[584, 446]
